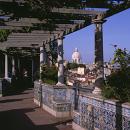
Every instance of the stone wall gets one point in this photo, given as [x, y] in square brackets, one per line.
[4, 86]
[37, 93]
[94, 113]
[52, 95]
[1, 88]
[58, 101]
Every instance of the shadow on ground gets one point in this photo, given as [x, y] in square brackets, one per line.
[12, 100]
[17, 86]
[18, 120]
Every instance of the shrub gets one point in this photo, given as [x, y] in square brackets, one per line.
[81, 65]
[49, 74]
[108, 92]
[36, 75]
[4, 34]
[117, 85]
[72, 65]
[75, 65]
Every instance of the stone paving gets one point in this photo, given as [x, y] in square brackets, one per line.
[18, 112]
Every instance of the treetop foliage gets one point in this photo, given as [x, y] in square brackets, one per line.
[118, 83]
[121, 57]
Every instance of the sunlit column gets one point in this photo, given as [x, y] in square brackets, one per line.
[13, 66]
[42, 58]
[6, 66]
[60, 62]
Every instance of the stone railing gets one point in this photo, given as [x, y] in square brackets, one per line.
[61, 106]
[4, 85]
[59, 101]
[51, 94]
[1, 88]
[37, 93]
[94, 113]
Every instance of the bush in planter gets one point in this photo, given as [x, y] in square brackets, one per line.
[37, 75]
[49, 74]
[117, 85]
[108, 92]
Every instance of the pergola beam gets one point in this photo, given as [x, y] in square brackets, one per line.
[76, 11]
[21, 44]
[29, 35]
[31, 21]
[27, 39]
[11, 27]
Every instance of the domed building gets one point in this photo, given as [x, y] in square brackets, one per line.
[76, 57]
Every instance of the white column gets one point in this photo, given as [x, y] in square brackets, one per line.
[60, 62]
[42, 58]
[13, 66]
[6, 66]
[18, 63]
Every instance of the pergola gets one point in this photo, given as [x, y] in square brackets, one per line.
[66, 21]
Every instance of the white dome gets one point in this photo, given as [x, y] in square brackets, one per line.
[76, 56]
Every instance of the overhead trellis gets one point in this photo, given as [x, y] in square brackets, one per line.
[34, 22]
[43, 8]
[21, 52]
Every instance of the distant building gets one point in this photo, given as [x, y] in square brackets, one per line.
[76, 57]
[81, 70]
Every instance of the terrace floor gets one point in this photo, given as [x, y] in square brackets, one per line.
[18, 112]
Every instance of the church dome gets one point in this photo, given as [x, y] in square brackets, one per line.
[76, 55]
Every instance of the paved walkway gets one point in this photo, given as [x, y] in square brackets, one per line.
[18, 112]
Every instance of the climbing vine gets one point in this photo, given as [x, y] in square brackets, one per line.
[4, 34]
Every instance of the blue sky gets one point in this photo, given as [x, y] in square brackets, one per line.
[115, 31]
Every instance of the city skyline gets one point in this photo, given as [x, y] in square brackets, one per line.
[116, 30]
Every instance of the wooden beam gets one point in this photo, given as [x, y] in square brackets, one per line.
[46, 32]
[7, 0]
[10, 27]
[29, 39]
[30, 34]
[76, 11]
[20, 44]
[21, 22]
[25, 43]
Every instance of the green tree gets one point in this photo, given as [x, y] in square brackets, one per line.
[117, 85]
[72, 65]
[121, 58]
[49, 74]
[4, 34]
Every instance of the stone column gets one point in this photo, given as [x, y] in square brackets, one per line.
[6, 66]
[42, 58]
[18, 63]
[60, 62]
[13, 66]
[99, 62]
